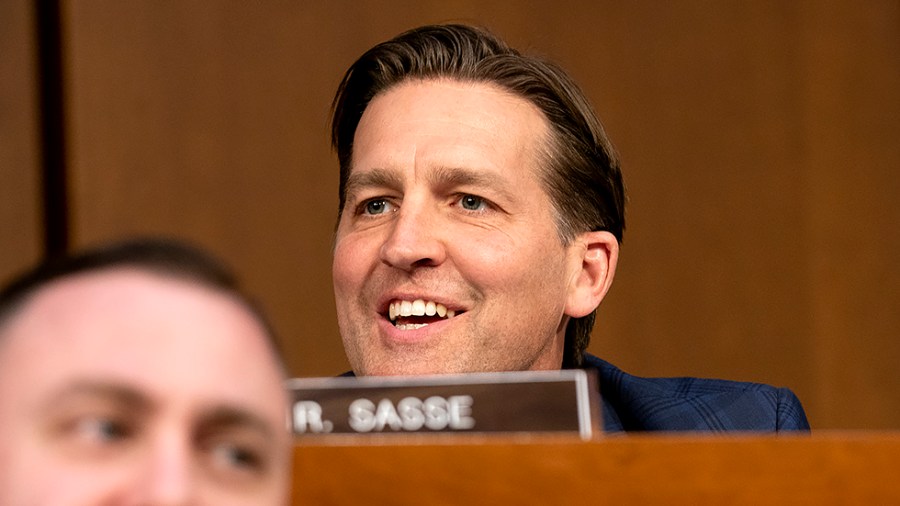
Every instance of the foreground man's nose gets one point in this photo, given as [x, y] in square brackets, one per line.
[168, 476]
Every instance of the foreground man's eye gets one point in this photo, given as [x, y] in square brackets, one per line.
[88, 434]
[100, 430]
[237, 457]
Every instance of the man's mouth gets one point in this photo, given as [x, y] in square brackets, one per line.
[415, 314]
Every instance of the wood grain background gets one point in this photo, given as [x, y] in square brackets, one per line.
[758, 138]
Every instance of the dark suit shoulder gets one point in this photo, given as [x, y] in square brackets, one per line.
[693, 404]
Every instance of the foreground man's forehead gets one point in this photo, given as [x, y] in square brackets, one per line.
[117, 295]
[118, 283]
[145, 329]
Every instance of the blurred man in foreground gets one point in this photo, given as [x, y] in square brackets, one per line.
[138, 374]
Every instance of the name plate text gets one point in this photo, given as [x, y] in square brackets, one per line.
[509, 402]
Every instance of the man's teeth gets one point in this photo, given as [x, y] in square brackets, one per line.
[418, 307]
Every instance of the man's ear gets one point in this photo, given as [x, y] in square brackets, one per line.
[598, 253]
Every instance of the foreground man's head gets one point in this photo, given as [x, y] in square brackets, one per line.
[481, 208]
[138, 375]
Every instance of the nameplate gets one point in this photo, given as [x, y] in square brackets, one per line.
[506, 402]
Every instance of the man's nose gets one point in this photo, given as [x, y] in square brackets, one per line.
[416, 238]
[168, 475]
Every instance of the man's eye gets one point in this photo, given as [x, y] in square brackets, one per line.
[236, 456]
[376, 206]
[472, 203]
[101, 429]
[228, 458]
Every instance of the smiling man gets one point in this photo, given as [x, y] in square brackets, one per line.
[481, 211]
[138, 374]
[446, 220]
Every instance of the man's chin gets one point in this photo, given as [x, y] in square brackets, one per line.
[411, 368]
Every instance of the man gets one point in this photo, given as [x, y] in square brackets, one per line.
[481, 211]
[138, 374]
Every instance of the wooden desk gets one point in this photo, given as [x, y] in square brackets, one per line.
[827, 468]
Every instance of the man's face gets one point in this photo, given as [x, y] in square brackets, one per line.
[125, 387]
[445, 211]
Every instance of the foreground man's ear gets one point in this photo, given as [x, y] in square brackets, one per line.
[597, 253]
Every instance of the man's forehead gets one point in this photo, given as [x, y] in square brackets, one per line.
[88, 330]
[449, 125]
[126, 307]
[115, 285]
[53, 301]
[449, 93]
[109, 279]
[467, 86]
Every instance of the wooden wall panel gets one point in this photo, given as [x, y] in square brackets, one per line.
[851, 125]
[759, 145]
[702, 103]
[20, 232]
[207, 121]
[757, 140]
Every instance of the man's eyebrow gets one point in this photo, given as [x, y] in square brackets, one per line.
[103, 390]
[375, 178]
[227, 417]
[441, 176]
[458, 176]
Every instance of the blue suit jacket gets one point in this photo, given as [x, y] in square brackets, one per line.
[632, 403]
